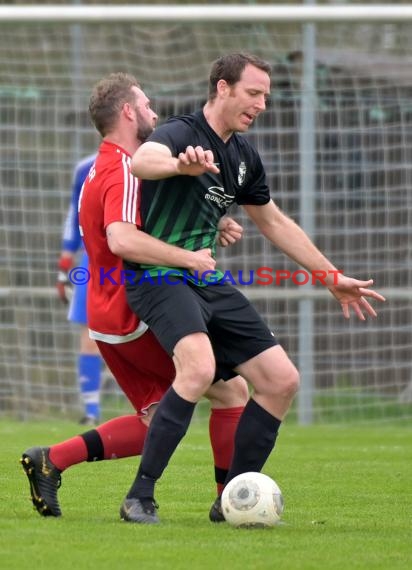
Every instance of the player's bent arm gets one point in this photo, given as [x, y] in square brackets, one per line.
[153, 161]
[287, 236]
[126, 241]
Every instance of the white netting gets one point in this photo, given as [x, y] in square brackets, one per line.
[363, 197]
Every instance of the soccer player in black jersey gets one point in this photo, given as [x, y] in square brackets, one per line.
[194, 167]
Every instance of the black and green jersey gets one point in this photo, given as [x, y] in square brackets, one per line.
[185, 210]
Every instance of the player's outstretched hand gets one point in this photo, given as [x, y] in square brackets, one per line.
[351, 295]
[229, 231]
[196, 161]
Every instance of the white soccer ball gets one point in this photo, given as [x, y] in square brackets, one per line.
[252, 500]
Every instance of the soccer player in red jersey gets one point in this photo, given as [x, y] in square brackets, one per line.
[109, 221]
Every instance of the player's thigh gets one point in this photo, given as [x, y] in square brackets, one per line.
[143, 370]
[271, 372]
[193, 352]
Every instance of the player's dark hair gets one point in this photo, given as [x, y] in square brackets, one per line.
[107, 99]
[230, 68]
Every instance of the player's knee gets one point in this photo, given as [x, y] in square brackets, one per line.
[283, 385]
[289, 384]
[195, 378]
[202, 374]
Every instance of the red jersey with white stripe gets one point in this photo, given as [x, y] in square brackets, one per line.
[109, 194]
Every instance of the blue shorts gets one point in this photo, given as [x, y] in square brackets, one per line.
[77, 309]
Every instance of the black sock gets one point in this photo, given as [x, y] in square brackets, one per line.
[94, 445]
[220, 475]
[168, 426]
[254, 440]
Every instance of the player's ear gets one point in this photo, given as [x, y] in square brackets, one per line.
[222, 87]
[128, 111]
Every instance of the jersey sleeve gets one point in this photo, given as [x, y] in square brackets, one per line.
[255, 191]
[121, 197]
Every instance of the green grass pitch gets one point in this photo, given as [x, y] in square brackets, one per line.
[347, 490]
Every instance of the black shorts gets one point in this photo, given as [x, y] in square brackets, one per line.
[236, 331]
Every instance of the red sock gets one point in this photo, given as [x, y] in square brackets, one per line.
[120, 437]
[222, 428]
[68, 452]
[123, 437]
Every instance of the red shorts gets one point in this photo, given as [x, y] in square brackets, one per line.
[141, 367]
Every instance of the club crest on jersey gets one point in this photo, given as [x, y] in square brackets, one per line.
[242, 173]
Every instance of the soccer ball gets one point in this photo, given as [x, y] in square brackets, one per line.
[252, 500]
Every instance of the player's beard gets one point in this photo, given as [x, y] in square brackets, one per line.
[144, 129]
